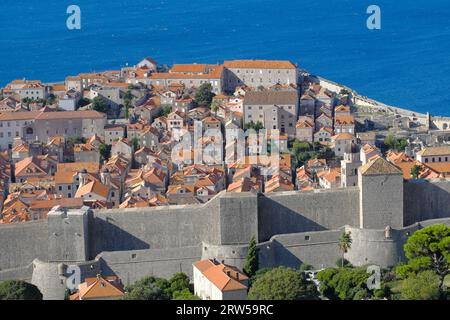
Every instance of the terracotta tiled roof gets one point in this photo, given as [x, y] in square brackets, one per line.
[316, 162]
[189, 68]
[367, 148]
[343, 120]
[91, 167]
[398, 157]
[214, 72]
[278, 183]
[259, 64]
[98, 288]
[93, 187]
[342, 108]
[304, 123]
[224, 277]
[271, 98]
[435, 151]
[343, 136]
[332, 175]
[30, 162]
[439, 167]
[63, 202]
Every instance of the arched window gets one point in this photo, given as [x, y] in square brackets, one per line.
[29, 130]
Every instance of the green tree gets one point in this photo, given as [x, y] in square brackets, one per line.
[305, 267]
[135, 142]
[19, 290]
[392, 143]
[415, 171]
[204, 95]
[252, 259]
[128, 96]
[300, 146]
[255, 126]
[344, 283]
[215, 106]
[345, 243]
[300, 152]
[421, 286]
[105, 151]
[178, 282]
[147, 288]
[166, 109]
[83, 102]
[100, 104]
[67, 294]
[71, 141]
[259, 274]
[51, 99]
[428, 249]
[282, 284]
[184, 294]
[149, 292]
[343, 263]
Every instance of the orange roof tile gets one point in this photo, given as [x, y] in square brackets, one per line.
[259, 64]
[224, 277]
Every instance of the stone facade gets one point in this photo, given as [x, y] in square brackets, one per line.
[255, 73]
[37, 125]
[274, 109]
[291, 228]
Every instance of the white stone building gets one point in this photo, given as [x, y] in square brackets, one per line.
[218, 281]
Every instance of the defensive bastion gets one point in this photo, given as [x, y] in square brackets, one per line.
[291, 228]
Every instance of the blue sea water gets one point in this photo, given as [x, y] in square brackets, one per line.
[406, 63]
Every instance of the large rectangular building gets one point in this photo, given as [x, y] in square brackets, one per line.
[255, 73]
[26, 89]
[189, 75]
[40, 125]
[274, 109]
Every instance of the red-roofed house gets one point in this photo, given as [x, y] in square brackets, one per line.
[218, 281]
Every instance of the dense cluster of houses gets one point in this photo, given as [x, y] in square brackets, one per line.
[59, 149]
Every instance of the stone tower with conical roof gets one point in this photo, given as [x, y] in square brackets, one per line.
[381, 195]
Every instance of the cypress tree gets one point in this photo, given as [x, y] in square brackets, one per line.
[252, 260]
